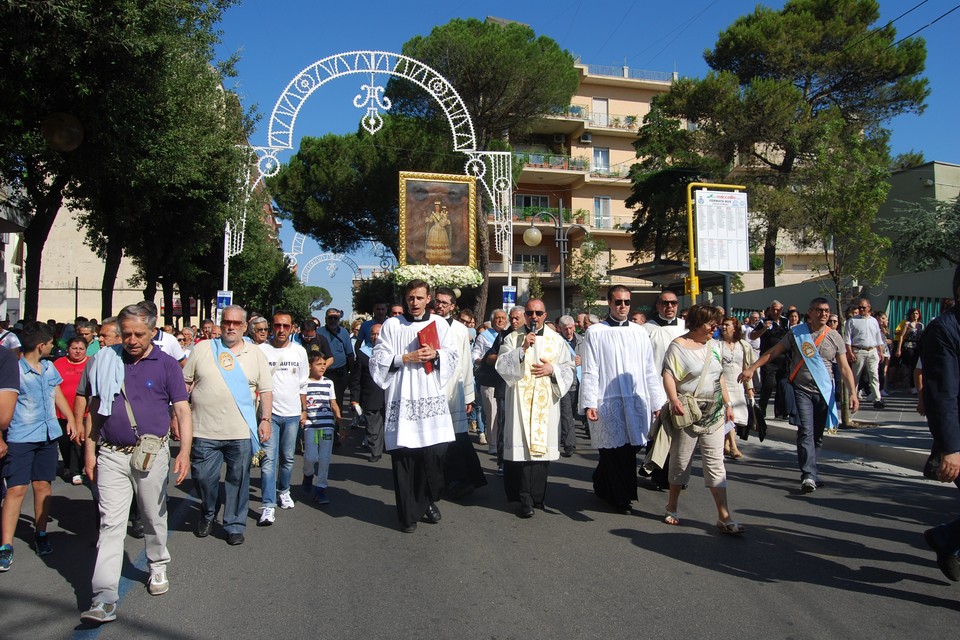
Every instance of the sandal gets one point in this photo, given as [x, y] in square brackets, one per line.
[736, 455]
[671, 518]
[730, 527]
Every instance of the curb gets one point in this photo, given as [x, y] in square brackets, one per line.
[847, 442]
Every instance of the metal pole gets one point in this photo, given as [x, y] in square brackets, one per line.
[76, 296]
[562, 245]
[226, 254]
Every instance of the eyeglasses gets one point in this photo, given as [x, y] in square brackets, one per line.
[334, 318]
[278, 325]
[444, 303]
[397, 313]
[862, 308]
[259, 329]
[822, 310]
[535, 313]
[181, 340]
[231, 323]
[622, 303]
[669, 303]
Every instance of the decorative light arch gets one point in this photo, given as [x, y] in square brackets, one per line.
[332, 259]
[493, 169]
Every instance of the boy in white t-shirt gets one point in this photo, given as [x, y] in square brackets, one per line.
[323, 415]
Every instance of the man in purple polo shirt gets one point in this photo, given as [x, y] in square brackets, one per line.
[140, 374]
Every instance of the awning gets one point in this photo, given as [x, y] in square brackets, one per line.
[669, 274]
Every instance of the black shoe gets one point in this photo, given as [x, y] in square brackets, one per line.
[567, 452]
[526, 511]
[204, 527]
[136, 528]
[234, 539]
[879, 405]
[948, 561]
[625, 509]
[375, 458]
[432, 515]
[410, 528]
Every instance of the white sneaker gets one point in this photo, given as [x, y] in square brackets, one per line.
[158, 584]
[808, 486]
[266, 517]
[286, 502]
[99, 612]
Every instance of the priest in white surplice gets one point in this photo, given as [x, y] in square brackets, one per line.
[461, 469]
[620, 392]
[417, 425]
[537, 366]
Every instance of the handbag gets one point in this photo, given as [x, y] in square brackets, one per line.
[690, 404]
[148, 446]
[755, 420]
[932, 465]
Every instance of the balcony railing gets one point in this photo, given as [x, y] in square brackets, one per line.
[568, 163]
[518, 268]
[523, 215]
[608, 120]
[627, 72]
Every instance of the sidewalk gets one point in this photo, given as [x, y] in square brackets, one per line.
[896, 434]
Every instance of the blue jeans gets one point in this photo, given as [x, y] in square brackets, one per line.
[813, 419]
[206, 458]
[277, 467]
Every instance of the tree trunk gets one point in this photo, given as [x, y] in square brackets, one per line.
[770, 256]
[483, 263]
[167, 285]
[184, 306]
[111, 266]
[35, 236]
[150, 286]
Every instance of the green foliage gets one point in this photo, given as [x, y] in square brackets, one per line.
[588, 272]
[776, 74]
[907, 160]
[840, 190]
[535, 284]
[375, 289]
[927, 234]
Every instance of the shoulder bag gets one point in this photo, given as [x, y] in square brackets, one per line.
[148, 446]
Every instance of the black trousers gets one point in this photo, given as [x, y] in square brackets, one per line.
[568, 410]
[526, 482]
[417, 480]
[615, 478]
[374, 430]
[462, 465]
[340, 378]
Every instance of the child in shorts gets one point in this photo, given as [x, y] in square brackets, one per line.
[32, 439]
[323, 414]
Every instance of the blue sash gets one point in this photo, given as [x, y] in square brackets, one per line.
[818, 370]
[573, 353]
[239, 388]
[367, 349]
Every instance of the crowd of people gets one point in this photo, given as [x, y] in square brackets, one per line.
[102, 403]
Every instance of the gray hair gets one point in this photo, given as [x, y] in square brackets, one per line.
[593, 319]
[236, 307]
[493, 314]
[517, 309]
[139, 311]
[112, 320]
[565, 321]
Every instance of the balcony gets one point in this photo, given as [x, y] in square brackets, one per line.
[558, 169]
[523, 215]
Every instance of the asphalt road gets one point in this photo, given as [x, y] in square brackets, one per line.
[847, 561]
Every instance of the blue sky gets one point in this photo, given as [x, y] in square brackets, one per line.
[277, 39]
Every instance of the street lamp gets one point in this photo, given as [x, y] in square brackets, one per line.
[532, 238]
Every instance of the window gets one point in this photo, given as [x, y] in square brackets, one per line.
[538, 202]
[601, 213]
[601, 160]
[538, 261]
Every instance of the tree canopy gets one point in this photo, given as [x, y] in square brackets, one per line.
[779, 78]
[927, 234]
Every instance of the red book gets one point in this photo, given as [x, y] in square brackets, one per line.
[428, 338]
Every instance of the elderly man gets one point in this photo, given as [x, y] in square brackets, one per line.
[380, 308]
[413, 361]
[569, 403]
[538, 369]
[865, 344]
[223, 375]
[485, 339]
[189, 339]
[131, 388]
[622, 390]
[288, 365]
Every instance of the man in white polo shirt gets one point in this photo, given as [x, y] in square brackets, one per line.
[288, 365]
[865, 348]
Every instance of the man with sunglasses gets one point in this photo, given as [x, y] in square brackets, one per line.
[538, 370]
[620, 393]
[865, 348]
[288, 365]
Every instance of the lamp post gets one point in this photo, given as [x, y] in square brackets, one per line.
[532, 238]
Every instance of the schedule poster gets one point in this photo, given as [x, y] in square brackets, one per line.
[723, 242]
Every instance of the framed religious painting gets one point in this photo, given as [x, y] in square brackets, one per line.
[438, 219]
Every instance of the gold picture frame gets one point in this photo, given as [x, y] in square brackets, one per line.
[438, 219]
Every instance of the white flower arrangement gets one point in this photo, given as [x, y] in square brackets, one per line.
[439, 275]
